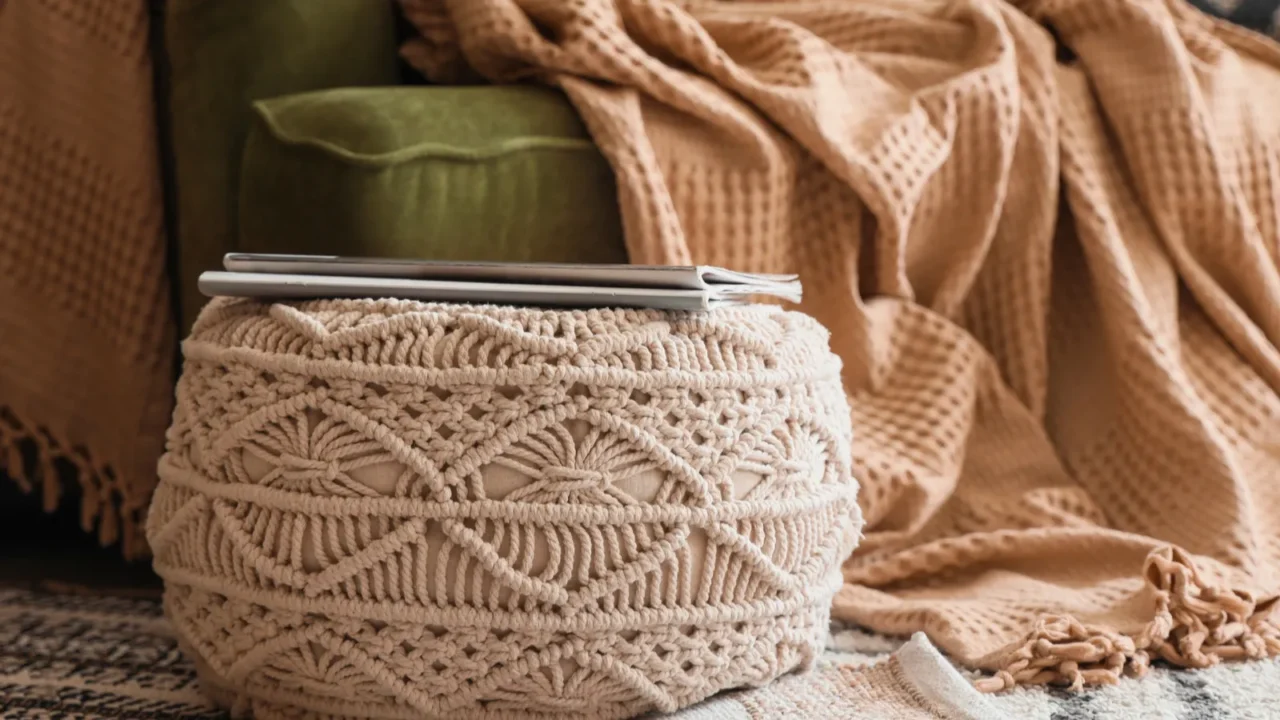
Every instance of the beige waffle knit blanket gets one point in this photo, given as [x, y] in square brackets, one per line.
[86, 338]
[1044, 235]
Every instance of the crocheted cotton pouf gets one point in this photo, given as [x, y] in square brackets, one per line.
[390, 509]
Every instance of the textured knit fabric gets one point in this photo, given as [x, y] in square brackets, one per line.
[389, 509]
[1044, 237]
[86, 343]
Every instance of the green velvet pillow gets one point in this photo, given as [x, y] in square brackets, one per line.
[440, 173]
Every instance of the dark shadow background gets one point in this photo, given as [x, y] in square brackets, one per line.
[50, 551]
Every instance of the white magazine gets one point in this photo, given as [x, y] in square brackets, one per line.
[560, 285]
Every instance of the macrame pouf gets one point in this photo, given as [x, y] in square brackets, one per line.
[390, 509]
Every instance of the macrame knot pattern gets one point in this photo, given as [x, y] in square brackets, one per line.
[390, 509]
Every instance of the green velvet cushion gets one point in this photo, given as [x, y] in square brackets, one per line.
[441, 173]
[224, 54]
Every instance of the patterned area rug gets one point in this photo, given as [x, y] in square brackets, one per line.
[92, 658]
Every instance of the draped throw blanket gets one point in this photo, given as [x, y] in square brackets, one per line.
[86, 339]
[1044, 236]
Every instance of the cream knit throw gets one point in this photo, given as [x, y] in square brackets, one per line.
[86, 330]
[391, 509]
[1050, 269]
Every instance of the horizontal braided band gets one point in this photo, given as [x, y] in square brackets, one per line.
[393, 509]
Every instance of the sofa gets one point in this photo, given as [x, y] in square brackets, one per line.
[294, 127]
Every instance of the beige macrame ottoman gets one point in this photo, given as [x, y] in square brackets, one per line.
[390, 509]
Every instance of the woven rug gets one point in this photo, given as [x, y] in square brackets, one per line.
[94, 658]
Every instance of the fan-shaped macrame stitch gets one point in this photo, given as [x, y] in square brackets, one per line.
[394, 509]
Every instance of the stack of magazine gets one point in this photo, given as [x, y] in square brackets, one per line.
[551, 285]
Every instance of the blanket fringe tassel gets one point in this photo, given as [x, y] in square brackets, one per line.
[1196, 625]
[32, 457]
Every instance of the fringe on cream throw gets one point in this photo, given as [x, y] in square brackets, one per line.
[86, 336]
[1050, 267]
